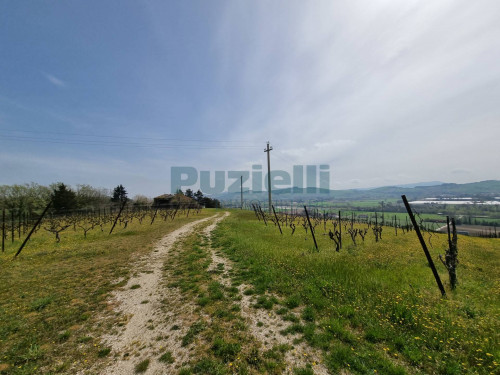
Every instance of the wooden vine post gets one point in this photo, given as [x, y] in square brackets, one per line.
[154, 216]
[255, 211]
[340, 232]
[312, 229]
[424, 246]
[33, 229]
[277, 221]
[451, 258]
[262, 214]
[118, 216]
[12, 228]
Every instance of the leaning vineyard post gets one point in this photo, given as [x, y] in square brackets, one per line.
[262, 214]
[311, 228]
[33, 229]
[277, 220]
[118, 216]
[424, 246]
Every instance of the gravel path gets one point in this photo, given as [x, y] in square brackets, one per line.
[155, 316]
[151, 310]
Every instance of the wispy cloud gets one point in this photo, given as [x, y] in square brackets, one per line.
[405, 82]
[55, 81]
[74, 170]
[385, 92]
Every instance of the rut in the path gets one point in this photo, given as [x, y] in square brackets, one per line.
[265, 325]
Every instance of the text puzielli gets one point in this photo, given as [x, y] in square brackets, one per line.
[310, 176]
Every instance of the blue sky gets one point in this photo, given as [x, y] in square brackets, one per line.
[117, 92]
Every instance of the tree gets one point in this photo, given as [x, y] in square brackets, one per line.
[28, 197]
[198, 196]
[210, 203]
[142, 200]
[189, 193]
[63, 199]
[206, 201]
[91, 197]
[179, 192]
[119, 194]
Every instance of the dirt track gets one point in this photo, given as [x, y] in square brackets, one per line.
[149, 309]
[142, 308]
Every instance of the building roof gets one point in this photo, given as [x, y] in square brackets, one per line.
[164, 196]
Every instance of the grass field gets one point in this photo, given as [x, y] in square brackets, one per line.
[355, 204]
[402, 218]
[52, 293]
[375, 307]
[477, 214]
[370, 308]
[388, 217]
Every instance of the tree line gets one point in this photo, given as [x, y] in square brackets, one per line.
[207, 202]
[32, 198]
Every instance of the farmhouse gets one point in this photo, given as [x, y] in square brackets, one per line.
[174, 201]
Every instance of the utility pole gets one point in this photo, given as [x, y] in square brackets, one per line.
[268, 150]
[241, 182]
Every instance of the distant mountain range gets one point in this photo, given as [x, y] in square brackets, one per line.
[435, 189]
[418, 184]
[430, 183]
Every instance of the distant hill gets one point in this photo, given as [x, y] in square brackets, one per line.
[430, 183]
[418, 184]
[480, 190]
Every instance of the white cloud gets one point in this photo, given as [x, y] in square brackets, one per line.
[55, 81]
[460, 171]
[148, 177]
[406, 84]
[384, 91]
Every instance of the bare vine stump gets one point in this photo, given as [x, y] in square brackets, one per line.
[451, 256]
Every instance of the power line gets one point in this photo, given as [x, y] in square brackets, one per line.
[118, 143]
[280, 155]
[129, 137]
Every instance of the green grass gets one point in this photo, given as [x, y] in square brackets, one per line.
[265, 302]
[220, 344]
[303, 371]
[166, 357]
[103, 352]
[478, 214]
[371, 307]
[387, 217]
[224, 350]
[52, 293]
[142, 366]
[376, 306]
[193, 331]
